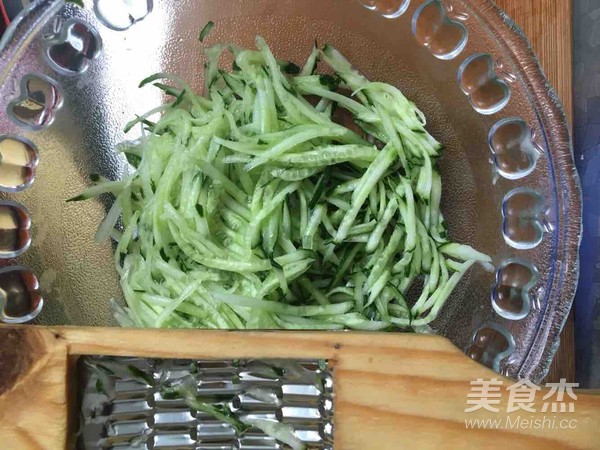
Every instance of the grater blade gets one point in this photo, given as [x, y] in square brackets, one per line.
[123, 404]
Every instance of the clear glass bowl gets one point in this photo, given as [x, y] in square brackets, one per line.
[69, 81]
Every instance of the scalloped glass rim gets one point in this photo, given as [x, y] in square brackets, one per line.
[60, 37]
[32, 163]
[557, 138]
[13, 320]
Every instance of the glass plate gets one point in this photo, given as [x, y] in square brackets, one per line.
[69, 81]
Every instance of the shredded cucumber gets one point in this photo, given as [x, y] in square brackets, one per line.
[249, 207]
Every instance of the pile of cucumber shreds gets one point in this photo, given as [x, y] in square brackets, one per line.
[251, 207]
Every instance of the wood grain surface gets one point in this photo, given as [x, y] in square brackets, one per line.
[33, 407]
[548, 25]
[392, 391]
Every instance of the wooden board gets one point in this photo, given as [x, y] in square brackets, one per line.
[548, 25]
[392, 391]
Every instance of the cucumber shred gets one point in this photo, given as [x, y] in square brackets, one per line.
[248, 207]
[204, 32]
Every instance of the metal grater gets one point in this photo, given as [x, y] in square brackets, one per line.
[123, 407]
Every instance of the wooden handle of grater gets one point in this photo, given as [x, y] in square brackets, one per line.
[392, 390]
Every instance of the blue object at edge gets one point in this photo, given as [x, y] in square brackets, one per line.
[586, 39]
